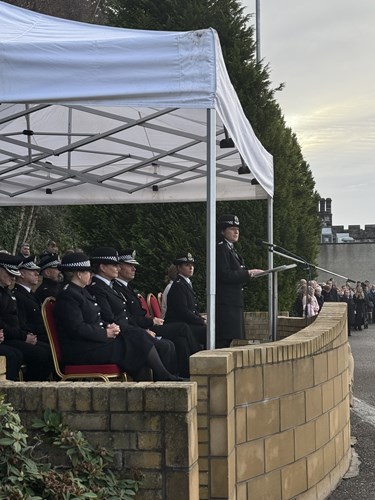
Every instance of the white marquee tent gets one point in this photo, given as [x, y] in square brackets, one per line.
[94, 114]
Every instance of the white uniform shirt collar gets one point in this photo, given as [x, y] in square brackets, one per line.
[107, 282]
[26, 287]
[123, 282]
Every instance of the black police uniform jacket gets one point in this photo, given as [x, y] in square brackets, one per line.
[182, 304]
[48, 288]
[231, 276]
[9, 321]
[29, 312]
[82, 332]
[138, 341]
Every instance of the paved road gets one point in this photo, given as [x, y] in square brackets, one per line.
[362, 486]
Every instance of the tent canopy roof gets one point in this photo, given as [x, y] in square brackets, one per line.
[96, 114]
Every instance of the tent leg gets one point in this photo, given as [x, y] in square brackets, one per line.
[211, 226]
[272, 300]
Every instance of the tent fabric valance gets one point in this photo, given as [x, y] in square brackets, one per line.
[96, 114]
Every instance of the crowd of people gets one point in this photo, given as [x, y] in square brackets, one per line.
[359, 297]
[98, 315]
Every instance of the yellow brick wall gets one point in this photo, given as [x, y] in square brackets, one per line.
[285, 431]
[2, 367]
[149, 426]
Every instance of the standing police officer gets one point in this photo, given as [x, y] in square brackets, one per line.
[231, 276]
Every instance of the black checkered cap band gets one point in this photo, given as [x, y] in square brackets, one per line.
[78, 265]
[53, 263]
[12, 267]
[105, 257]
[30, 266]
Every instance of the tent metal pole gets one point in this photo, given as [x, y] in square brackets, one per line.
[272, 292]
[211, 227]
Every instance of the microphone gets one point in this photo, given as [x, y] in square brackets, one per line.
[261, 242]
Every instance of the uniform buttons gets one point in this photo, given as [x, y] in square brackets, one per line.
[95, 304]
[126, 317]
[101, 323]
[98, 314]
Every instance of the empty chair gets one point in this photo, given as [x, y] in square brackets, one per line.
[153, 305]
[144, 305]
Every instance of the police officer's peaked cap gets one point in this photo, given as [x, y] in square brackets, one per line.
[29, 264]
[104, 255]
[75, 261]
[127, 256]
[184, 258]
[48, 260]
[228, 220]
[10, 263]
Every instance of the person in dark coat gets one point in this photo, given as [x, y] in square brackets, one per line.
[350, 309]
[36, 354]
[87, 338]
[28, 306]
[360, 311]
[179, 333]
[182, 304]
[51, 284]
[231, 276]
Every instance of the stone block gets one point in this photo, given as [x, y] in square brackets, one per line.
[143, 459]
[279, 450]
[303, 374]
[332, 363]
[292, 410]
[327, 395]
[149, 441]
[211, 363]
[334, 422]
[339, 446]
[315, 468]
[152, 480]
[221, 394]
[250, 460]
[248, 385]
[337, 390]
[32, 398]
[183, 485]
[135, 395]
[222, 477]
[320, 368]
[294, 479]
[329, 455]
[83, 399]
[3, 368]
[14, 394]
[278, 379]
[241, 428]
[87, 422]
[135, 422]
[66, 399]
[222, 435]
[180, 446]
[49, 397]
[314, 403]
[241, 491]
[322, 430]
[324, 487]
[305, 439]
[263, 419]
[177, 397]
[265, 487]
[117, 398]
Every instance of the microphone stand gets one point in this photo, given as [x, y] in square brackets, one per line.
[291, 256]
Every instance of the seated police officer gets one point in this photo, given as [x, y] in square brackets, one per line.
[182, 302]
[179, 333]
[105, 265]
[36, 354]
[51, 284]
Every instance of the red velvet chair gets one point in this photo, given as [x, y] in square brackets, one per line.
[144, 305]
[74, 372]
[153, 305]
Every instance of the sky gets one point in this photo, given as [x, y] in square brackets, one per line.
[324, 52]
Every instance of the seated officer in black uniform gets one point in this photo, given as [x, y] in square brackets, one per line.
[179, 333]
[85, 336]
[51, 285]
[182, 302]
[105, 267]
[36, 354]
[28, 306]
